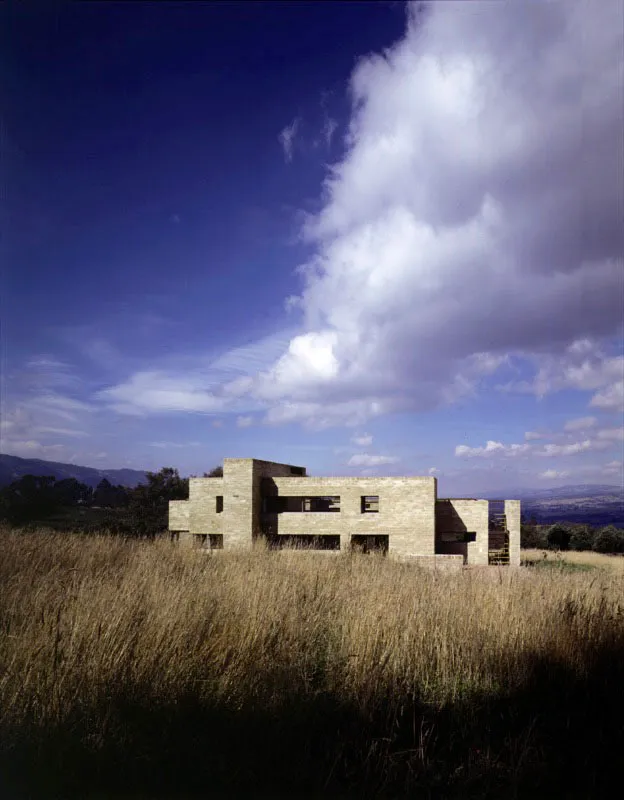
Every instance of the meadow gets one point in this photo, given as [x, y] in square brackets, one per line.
[139, 669]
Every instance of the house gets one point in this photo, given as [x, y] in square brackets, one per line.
[400, 516]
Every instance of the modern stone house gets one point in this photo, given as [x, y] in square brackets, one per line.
[400, 516]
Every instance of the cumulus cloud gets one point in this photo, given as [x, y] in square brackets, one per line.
[244, 422]
[367, 460]
[433, 247]
[287, 138]
[475, 215]
[611, 398]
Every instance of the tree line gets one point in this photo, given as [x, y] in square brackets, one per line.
[68, 504]
[572, 536]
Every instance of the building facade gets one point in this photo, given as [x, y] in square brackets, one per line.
[400, 516]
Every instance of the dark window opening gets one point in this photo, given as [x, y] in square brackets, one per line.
[219, 503]
[369, 504]
[215, 541]
[370, 543]
[199, 539]
[298, 471]
[457, 536]
[303, 541]
[279, 505]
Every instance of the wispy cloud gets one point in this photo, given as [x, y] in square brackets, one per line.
[244, 422]
[367, 460]
[362, 440]
[287, 138]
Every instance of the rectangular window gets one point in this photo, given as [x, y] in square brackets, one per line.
[300, 471]
[215, 541]
[279, 505]
[219, 503]
[457, 536]
[369, 504]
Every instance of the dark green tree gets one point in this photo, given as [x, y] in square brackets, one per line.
[558, 537]
[108, 496]
[609, 540]
[32, 497]
[582, 538]
[70, 492]
[148, 505]
[215, 472]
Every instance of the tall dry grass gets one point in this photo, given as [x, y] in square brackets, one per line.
[157, 669]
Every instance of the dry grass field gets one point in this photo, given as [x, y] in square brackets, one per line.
[143, 670]
[583, 558]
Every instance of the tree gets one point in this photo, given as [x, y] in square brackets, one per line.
[108, 496]
[148, 506]
[215, 472]
[609, 540]
[582, 538]
[558, 537]
[70, 492]
[29, 498]
[532, 536]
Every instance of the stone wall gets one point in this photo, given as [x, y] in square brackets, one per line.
[202, 500]
[406, 511]
[512, 513]
[179, 513]
[464, 516]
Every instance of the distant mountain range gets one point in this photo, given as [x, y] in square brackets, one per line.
[593, 504]
[13, 468]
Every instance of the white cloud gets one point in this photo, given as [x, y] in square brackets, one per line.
[31, 448]
[580, 424]
[434, 471]
[493, 448]
[367, 460]
[476, 213]
[531, 436]
[611, 434]
[157, 391]
[363, 440]
[169, 445]
[551, 474]
[244, 422]
[613, 468]
[417, 216]
[287, 138]
[611, 398]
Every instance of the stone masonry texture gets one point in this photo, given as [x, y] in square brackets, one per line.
[240, 507]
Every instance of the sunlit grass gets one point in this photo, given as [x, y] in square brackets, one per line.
[297, 671]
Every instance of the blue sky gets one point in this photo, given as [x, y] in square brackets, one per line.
[370, 238]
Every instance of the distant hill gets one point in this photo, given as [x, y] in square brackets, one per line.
[12, 468]
[593, 504]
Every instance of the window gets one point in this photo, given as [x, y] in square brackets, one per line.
[219, 503]
[369, 504]
[298, 471]
[458, 536]
[215, 541]
[199, 539]
[279, 505]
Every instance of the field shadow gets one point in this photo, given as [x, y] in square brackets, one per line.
[560, 734]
